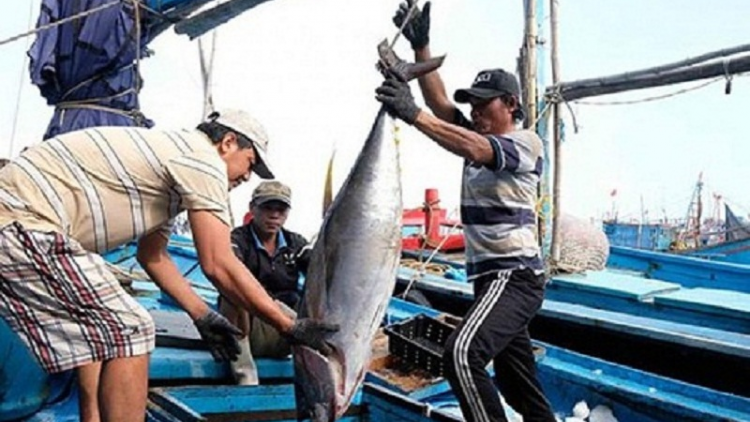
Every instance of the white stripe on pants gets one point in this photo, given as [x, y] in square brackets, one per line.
[461, 346]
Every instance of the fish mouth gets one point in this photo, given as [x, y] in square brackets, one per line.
[319, 384]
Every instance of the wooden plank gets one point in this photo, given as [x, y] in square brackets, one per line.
[197, 25]
[613, 284]
[720, 341]
[684, 270]
[717, 302]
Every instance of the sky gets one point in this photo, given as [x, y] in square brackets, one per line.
[306, 70]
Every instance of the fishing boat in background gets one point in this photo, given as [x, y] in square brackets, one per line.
[429, 226]
[734, 246]
[723, 236]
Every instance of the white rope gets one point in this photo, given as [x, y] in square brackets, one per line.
[421, 271]
[407, 18]
[654, 98]
[20, 86]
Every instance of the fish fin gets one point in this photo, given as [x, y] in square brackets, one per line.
[391, 63]
[328, 188]
[408, 71]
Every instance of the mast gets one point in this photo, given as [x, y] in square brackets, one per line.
[527, 64]
[540, 117]
[557, 140]
[693, 219]
[207, 70]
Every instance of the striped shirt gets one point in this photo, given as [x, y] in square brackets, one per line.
[498, 204]
[106, 186]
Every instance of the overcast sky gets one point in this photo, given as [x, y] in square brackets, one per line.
[306, 70]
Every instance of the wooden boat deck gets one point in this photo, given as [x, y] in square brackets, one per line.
[713, 308]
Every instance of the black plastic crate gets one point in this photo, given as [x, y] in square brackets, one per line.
[419, 342]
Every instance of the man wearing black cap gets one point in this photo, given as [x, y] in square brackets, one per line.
[276, 257]
[502, 166]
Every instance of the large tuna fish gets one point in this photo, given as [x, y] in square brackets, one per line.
[352, 272]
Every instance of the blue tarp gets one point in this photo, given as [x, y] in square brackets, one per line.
[89, 61]
[86, 68]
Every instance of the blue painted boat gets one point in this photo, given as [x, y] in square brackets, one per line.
[184, 379]
[677, 316]
[734, 246]
[735, 252]
[654, 237]
[687, 271]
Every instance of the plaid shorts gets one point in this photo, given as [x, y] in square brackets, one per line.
[64, 302]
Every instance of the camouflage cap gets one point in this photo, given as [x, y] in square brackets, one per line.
[272, 191]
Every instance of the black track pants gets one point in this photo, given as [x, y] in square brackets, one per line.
[496, 328]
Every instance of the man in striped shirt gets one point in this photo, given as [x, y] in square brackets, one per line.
[67, 199]
[502, 166]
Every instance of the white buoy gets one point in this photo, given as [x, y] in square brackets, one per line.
[602, 413]
[581, 410]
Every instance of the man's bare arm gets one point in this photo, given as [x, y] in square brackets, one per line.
[154, 258]
[229, 274]
[433, 90]
[462, 142]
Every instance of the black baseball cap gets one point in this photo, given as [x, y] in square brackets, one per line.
[489, 84]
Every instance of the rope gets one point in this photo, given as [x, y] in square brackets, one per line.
[421, 270]
[60, 22]
[159, 14]
[133, 114]
[432, 268]
[404, 23]
[95, 78]
[556, 97]
[654, 98]
[541, 115]
[20, 86]
[137, 69]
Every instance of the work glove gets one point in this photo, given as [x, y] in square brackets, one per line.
[311, 333]
[417, 30]
[220, 335]
[395, 95]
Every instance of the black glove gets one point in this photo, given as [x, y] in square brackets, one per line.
[220, 335]
[313, 334]
[417, 30]
[397, 99]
